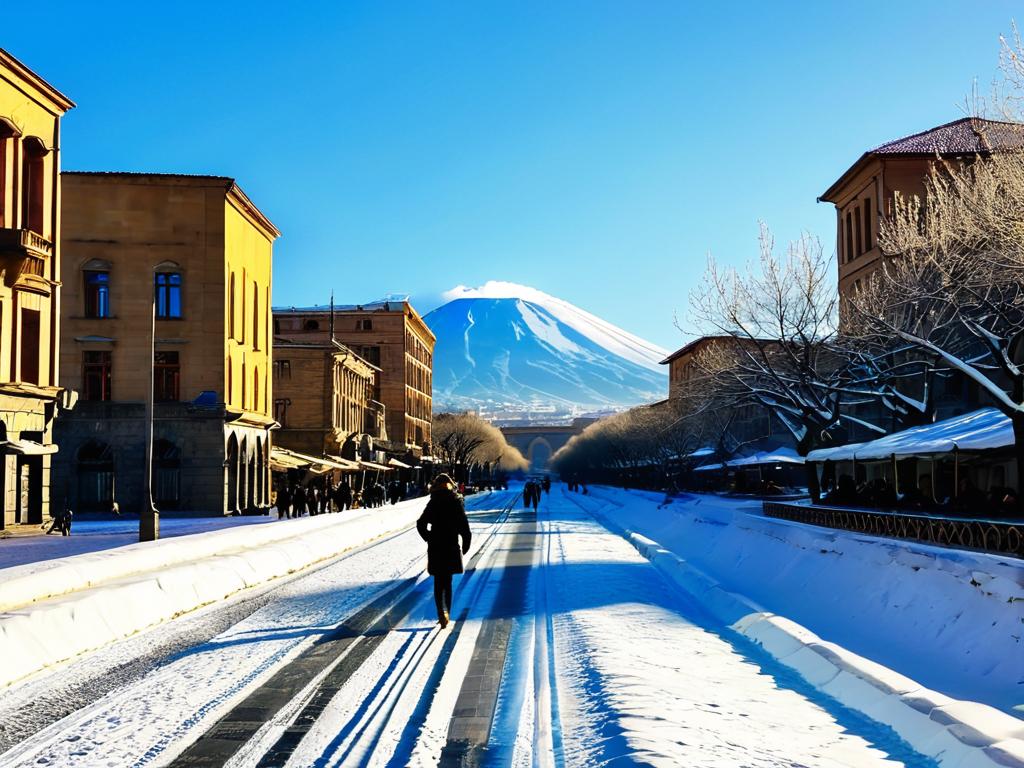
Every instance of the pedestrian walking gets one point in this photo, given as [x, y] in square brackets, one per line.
[547, 485]
[442, 524]
[284, 502]
[343, 495]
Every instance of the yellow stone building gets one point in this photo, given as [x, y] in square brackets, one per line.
[195, 250]
[30, 276]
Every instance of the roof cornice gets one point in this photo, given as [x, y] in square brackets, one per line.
[62, 102]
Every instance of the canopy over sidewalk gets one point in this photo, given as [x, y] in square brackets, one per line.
[761, 458]
[983, 430]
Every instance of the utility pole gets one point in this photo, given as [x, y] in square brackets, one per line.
[149, 517]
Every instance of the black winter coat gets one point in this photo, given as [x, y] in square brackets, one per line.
[441, 524]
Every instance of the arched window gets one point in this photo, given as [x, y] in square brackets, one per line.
[33, 185]
[311, 325]
[8, 133]
[167, 283]
[255, 387]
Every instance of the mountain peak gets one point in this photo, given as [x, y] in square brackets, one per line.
[505, 345]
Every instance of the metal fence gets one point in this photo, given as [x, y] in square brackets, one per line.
[996, 536]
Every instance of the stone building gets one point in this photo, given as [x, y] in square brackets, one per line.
[30, 278]
[864, 193]
[391, 336]
[194, 252]
[323, 400]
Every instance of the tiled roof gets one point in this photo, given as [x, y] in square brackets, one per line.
[967, 136]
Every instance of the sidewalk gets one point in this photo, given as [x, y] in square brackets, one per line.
[96, 535]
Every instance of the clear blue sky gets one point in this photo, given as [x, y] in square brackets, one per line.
[593, 150]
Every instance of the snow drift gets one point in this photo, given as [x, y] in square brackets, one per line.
[58, 609]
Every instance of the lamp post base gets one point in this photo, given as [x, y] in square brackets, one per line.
[149, 526]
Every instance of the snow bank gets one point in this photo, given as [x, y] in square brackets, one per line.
[55, 610]
[955, 733]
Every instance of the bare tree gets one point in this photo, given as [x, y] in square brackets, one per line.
[462, 441]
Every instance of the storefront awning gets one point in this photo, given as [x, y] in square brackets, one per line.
[398, 464]
[344, 464]
[282, 460]
[761, 458]
[374, 466]
[984, 430]
[28, 448]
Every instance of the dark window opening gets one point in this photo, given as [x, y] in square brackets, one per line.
[166, 377]
[311, 325]
[281, 411]
[168, 295]
[166, 474]
[30, 346]
[867, 224]
[97, 294]
[370, 355]
[364, 324]
[255, 316]
[96, 370]
[95, 476]
[857, 231]
[33, 203]
[849, 237]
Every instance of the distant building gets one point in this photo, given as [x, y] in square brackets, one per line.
[30, 279]
[865, 191]
[391, 336]
[751, 422]
[195, 250]
[324, 401]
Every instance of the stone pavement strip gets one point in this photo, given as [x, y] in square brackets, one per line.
[470, 727]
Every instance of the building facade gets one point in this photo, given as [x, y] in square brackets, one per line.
[391, 336]
[323, 401]
[30, 279]
[196, 254]
[864, 194]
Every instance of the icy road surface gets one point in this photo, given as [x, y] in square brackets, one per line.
[568, 649]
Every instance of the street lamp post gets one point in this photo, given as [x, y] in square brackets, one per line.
[149, 517]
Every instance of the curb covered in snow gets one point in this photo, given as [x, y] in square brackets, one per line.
[955, 733]
[53, 612]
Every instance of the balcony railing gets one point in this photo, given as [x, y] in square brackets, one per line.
[26, 243]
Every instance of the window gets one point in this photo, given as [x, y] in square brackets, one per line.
[96, 375]
[33, 202]
[849, 237]
[30, 346]
[867, 224]
[168, 295]
[281, 411]
[255, 316]
[857, 231]
[370, 355]
[255, 387]
[364, 324]
[97, 294]
[95, 476]
[282, 369]
[231, 306]
[277, 327]
[166, 377]
[311, 325]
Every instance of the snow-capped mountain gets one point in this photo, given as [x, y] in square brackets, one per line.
[507, 345]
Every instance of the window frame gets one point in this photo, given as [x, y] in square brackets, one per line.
[162, 293]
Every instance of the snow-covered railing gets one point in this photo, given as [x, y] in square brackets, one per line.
[998, 536]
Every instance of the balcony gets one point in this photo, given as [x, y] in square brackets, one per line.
[23, 256]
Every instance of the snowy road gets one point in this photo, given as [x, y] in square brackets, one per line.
[568, 649]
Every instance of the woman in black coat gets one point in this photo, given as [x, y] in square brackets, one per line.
[441, 525]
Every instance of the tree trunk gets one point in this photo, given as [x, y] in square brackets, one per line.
[803, 447]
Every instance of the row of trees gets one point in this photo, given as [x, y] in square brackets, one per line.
[470, 449]
[946, 303]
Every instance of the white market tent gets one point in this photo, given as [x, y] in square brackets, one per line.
[983, 430]
[778, 456]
